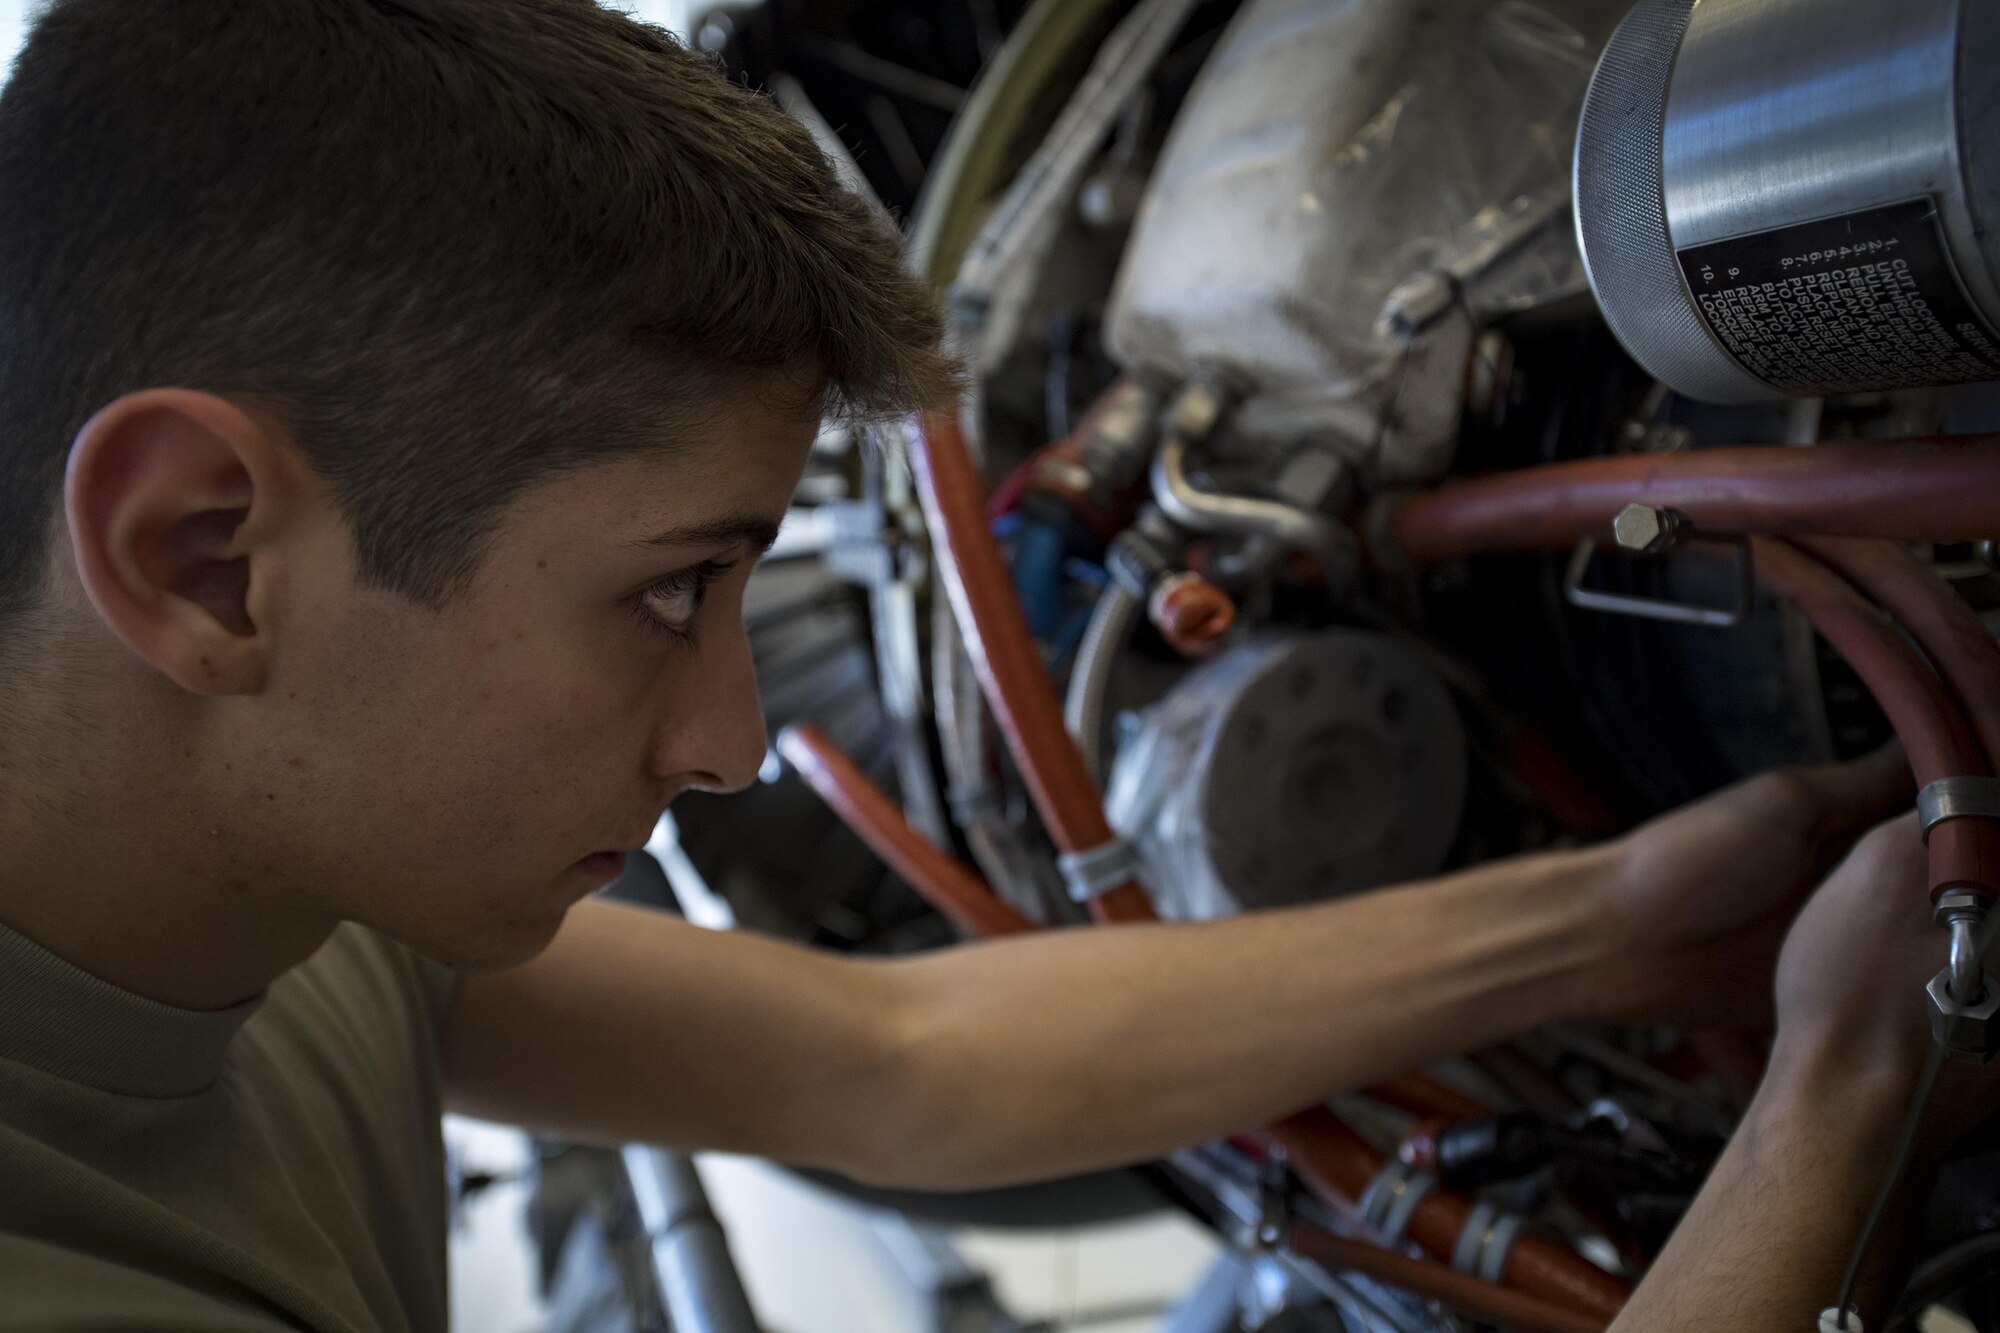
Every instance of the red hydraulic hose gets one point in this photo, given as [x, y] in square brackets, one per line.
[1950, 633]
[1339, 1165]
[1003, 653]
[1470, 1296]
[1427, 1099]
[1023, 700]
[1913, 490]
[954, 890]
[1964, 853]
[942, 880]
[1335, 1161]
[1903, 489]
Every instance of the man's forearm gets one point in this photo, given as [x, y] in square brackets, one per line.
[1767, 1242]
[1082, 1048]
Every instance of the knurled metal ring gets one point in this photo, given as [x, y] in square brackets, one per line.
[1485, 1241]
[1472, 1237]
[1958, 798]
[1100, 869]
[1391, 1200]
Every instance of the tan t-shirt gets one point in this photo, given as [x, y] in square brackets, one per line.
[273, 1166]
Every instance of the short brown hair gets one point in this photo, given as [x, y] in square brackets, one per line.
[455, 244]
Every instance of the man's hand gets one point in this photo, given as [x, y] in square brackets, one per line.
[1850, 988]
[1767, 1242]
[1703, 896]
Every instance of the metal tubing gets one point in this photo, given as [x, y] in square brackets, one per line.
[1330, 544]
[1111, 622]
[698, 1279]
[1935, 490]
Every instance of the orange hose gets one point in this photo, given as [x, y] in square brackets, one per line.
[1023, 699]
[1332, 1159]
[1003, 653]
[1426, 1098]
[1339, 1165]
[1964, 853]
[942, 880]
[1470, 1296]
[1950, 632]
[1912, 490]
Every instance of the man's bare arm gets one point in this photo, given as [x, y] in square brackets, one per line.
[1768, 1240]
[1020, 1058]
[1038, 1055]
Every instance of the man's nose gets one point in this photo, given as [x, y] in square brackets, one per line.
[713, 738]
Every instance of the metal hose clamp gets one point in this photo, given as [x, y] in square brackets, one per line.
[1100, 869]
[974, 803]
[1958, 798]
[1391, 1200]
[1485, 1242]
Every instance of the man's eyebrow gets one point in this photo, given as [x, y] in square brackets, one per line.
[751, 530]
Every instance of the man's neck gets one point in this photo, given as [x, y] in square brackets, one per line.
[138, 889]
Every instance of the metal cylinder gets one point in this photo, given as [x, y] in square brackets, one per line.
[1797, 196]
[698, 1281]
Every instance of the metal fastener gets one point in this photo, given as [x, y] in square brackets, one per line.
[1649, 529]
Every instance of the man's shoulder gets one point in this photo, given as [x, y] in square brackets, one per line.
[57, 1287]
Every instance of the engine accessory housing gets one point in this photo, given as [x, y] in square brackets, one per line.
[1797, 196]
[1291, 769]
[1330, 156]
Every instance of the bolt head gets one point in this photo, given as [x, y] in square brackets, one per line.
[1970, 1034]
[1647, 529]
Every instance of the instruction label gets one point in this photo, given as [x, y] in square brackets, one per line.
[1868, 300]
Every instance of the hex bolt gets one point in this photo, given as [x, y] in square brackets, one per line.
[1649, 529]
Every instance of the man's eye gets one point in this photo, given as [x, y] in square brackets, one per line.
[672, 605]
[673, 602]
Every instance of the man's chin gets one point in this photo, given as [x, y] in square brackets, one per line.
[495, 946]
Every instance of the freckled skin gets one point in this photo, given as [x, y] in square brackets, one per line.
[438, 774]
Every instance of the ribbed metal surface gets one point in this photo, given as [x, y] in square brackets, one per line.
[1621, 212]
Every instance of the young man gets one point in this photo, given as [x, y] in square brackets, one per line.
[394, 396]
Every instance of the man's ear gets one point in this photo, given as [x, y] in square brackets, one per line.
[174, 500]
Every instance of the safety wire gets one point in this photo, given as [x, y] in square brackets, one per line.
[1844, 1317]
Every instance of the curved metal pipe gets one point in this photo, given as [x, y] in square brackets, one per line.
[1330, 544]
[1111, 622]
